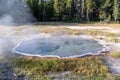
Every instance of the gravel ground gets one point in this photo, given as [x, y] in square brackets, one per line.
[113, 64]
[6, 72]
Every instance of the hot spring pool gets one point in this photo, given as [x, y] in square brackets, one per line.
[58, 47]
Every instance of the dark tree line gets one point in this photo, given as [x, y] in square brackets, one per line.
[76, 10]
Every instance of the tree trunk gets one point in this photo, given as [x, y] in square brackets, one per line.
[105, 17]
[82, 9]
[44, 12]
[87, 16]
[78, 12]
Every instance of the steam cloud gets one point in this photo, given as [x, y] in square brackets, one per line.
[14, 12]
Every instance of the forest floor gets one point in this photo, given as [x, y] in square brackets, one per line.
[109, 33]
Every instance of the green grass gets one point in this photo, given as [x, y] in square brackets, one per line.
[90, 67]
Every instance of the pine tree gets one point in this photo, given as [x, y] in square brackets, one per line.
[90, 6]
[107, 10]
[116, 10]
[49, 10]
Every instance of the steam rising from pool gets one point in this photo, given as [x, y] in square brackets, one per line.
[14, 12]
[61, 47]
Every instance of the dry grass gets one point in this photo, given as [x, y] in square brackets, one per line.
[56, 30]
[110, 37]
[115, 54]
[88, 66]
[78, 24]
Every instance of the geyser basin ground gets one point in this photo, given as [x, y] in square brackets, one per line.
[62, 47]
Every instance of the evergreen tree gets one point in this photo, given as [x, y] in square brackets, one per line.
[107, 10]
[75, 10]
[49, 10]
[90, 6]
[59, 7]
[116, 10]
[68, 10]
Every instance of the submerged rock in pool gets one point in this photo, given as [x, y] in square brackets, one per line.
[58, 46]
